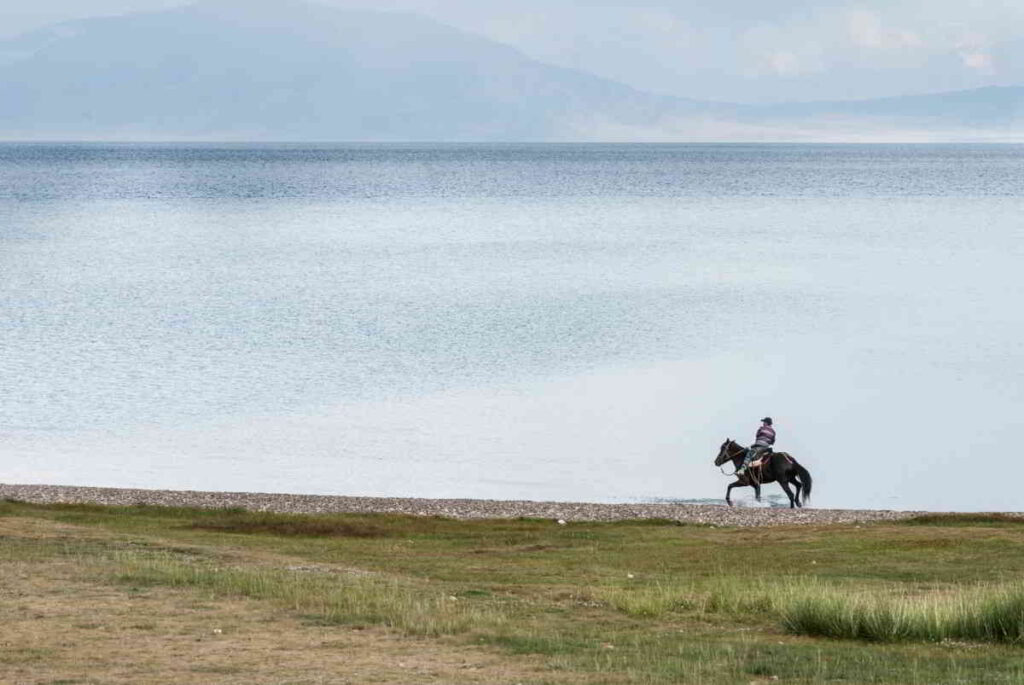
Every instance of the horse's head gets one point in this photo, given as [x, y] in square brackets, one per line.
[726, 451]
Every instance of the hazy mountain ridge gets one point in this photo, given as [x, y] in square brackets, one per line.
[232, 70]
[990, 105]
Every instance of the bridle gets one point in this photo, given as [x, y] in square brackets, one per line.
[729, 457]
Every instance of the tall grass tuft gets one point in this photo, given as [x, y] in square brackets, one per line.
[998, 618]
[726, 595]
[978, 615]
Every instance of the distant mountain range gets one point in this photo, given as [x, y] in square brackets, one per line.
[295, 70]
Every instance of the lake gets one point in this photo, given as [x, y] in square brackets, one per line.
[571, 322]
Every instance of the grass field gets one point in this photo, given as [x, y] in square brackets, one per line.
[95, 594]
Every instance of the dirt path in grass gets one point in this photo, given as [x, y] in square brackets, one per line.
[453, 508]
[66, 621]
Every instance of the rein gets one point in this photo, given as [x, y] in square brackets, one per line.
[755, 480]
[736, 469]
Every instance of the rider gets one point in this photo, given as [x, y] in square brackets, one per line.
[763, 442]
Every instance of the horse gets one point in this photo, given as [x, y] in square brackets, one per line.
[776, 467]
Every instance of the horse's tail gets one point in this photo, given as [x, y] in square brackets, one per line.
[805, 480]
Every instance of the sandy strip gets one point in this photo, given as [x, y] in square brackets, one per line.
[453, 508]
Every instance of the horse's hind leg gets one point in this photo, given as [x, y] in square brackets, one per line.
[798, 486]
[789, 493]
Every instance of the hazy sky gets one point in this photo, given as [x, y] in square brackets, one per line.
[738, 50]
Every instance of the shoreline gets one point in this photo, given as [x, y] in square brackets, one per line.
[709, 514]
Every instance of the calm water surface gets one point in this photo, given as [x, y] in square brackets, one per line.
[521, 321]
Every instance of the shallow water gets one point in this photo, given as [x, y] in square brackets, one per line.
[576, 322]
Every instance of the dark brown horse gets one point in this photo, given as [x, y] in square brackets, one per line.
[778, 467]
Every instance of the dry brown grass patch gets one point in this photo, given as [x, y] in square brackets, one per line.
[65, 623]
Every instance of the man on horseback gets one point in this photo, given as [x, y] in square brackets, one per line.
[763, 442]
[781, 468]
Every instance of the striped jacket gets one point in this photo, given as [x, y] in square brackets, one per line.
[765, 436]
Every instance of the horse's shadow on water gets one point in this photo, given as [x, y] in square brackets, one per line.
[777, 467]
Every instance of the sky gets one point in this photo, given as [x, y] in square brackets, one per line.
[729, 50]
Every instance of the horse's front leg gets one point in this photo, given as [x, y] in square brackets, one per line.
[729, 489]
[757, 491]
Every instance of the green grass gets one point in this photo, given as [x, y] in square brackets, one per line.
[982, 519]
[228, 521]
[931, 601]
[987, 614]
[729, 595]
[331, 598]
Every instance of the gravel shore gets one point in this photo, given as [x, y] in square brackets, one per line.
[453, 508]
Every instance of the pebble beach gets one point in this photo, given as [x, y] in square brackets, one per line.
[452, 508]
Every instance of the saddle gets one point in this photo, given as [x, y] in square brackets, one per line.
[763, 459]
